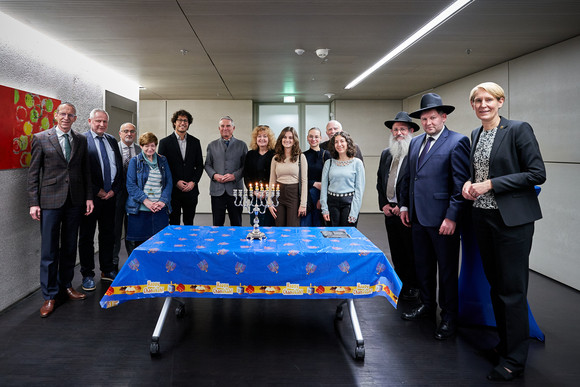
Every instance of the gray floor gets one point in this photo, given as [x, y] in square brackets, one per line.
[271, 342]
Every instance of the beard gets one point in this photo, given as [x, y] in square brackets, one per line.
[400, 148]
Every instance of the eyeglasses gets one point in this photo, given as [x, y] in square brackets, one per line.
[182, 120]
[129, 131]
[65, 115]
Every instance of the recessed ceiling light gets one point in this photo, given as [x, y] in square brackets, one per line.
[289, 99]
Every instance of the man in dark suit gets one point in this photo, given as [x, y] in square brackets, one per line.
[224, 164]
[388, 176]
[107, 180]
[59, 192]
[183, 153]
[431, 203]
[128, 149]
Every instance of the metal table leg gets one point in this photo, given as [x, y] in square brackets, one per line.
[179, 312]
[359, 352]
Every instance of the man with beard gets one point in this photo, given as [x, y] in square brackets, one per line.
[389, 173]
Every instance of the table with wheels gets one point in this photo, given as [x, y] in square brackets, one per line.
[290, 263]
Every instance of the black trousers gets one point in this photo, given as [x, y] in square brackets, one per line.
[219, 205]
[437, 255]
[505, 253]
[338, 209]
[401, 245]
[120, 224]
[103, 215]
[182, 203]
[59, 229]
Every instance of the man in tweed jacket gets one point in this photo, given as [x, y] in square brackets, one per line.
[59, 192]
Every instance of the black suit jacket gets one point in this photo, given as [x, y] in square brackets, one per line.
[515, 166]
[188, 169]
[383, 176]
[95, 164]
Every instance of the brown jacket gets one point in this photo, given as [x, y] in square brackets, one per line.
[51, 178]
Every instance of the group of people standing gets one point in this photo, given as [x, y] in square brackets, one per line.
[432, 184]
[143, 186]
[426, 185]
[312, 191]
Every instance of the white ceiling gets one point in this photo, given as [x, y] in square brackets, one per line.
[245, 49]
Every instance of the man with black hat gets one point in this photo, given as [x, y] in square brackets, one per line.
[431, 204]
[388, 175]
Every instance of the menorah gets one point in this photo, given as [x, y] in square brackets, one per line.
[258, 201]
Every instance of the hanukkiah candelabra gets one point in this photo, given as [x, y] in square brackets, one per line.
[258, 200]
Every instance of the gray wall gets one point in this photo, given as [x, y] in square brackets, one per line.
[20, 235]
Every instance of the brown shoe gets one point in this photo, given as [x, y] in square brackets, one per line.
[47, 308]
[74, 295]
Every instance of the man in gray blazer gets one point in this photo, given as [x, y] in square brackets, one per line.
[129, 149]
[224, 164]
[59, 192]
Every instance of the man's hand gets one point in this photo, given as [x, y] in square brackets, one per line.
[89, 207]
[447, 227]
[185, 186]
[35, 212]
[405, 218]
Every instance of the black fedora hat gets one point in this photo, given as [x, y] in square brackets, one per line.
[432, 101]
[402, 117]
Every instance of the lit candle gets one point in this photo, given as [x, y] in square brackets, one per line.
[261, 187]
[277, 187]
[250, 186]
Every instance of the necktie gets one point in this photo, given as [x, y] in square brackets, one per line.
[128, 157]
[66, 147]
[392, 179]
[425, 150]
[227, 143]
[106, 166]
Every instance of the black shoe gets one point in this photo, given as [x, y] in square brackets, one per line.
[502, 374]
[446, 330]
[417, 313]
[410, 294]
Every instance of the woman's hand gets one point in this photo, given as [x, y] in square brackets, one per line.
[317, 185]
[273, 211]
[326, 217]
[473, 191]
[302, 211]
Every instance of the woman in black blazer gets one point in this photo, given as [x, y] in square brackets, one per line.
[505, 164]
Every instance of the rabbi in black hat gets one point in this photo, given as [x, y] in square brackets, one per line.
[388, 176]
[431, 204]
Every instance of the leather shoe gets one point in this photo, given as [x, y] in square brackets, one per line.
[47, 308]
[409, 294]
[446, 330]
[417, 313]
[502, 374]
[74, 295]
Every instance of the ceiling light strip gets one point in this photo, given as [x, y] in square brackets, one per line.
[426, 29]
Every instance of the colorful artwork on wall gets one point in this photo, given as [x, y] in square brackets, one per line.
[21, 115]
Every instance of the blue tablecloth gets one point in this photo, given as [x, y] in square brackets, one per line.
[293, 263]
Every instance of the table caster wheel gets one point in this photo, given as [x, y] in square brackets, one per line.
[359, 353]
[180, 311]
[339, 313]
[154, 348]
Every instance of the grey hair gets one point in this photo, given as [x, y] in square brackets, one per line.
[95, 111]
